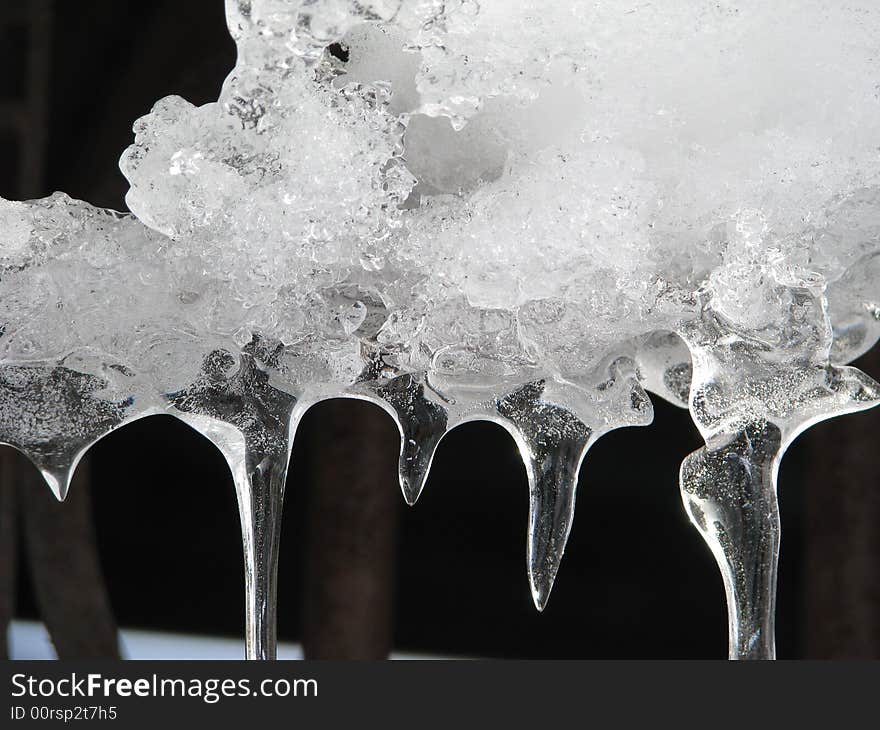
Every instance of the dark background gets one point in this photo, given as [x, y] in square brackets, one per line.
[636, 581]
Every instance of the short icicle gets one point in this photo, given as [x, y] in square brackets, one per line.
[54, 415]
[422, 424]
[251, 423]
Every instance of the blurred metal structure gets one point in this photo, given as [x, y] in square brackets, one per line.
[26, 25]
[842, 575]
[352, 523]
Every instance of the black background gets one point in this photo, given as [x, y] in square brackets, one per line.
[636, 580]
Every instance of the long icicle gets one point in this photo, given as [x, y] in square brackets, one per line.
[259, 488]
[729, 493]
[252, 424]
[750, 403]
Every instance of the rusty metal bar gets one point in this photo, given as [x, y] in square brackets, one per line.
[65, 568]
[353, 517]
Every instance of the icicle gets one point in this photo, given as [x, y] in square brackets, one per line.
[58, 480]
[729, 493]
[750, 403]
[422, 424]
[54, 415]
[553, 443]
[251, 423]
[555, 424]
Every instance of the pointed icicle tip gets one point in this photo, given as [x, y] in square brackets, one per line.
[553, 443]
[541, 590]
[58, 482]
[550, 525]
[415, 465]
[422, 424]
[412, 490]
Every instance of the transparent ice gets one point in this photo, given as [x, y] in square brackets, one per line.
[524, 212]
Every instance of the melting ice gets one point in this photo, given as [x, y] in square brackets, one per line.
[527, 212]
